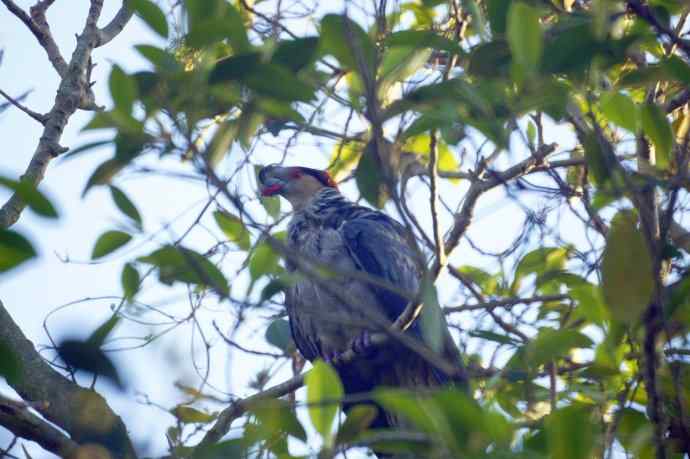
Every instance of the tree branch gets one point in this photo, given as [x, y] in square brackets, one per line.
[16, 418]
[35, 115]
[83, 413]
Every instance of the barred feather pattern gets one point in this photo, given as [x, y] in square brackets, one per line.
[348, 237]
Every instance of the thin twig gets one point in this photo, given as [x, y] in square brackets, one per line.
[35, 115]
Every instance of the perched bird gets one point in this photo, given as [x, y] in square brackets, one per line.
[335, 314]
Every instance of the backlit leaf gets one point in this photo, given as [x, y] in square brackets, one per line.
[656, 126]
[233, 228]
[620, 110]
[626, 269]
[324, 392]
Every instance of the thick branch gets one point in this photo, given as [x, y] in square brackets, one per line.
[83, 413]
[16, 418]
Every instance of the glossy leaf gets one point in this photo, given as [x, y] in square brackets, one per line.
[109, 242]
[324, 392]
[626, 269]
[15, 249]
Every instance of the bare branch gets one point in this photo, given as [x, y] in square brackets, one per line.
[505, 303]
[16, 417]
[35, 115]
[38, 25]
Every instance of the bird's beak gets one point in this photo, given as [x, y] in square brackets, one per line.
[270, 180]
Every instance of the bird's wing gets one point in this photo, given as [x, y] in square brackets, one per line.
[378, 248]
[304, 338]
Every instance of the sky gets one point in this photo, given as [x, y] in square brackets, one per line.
[63, 275]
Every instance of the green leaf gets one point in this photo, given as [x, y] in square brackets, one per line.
[125, 205]
[422, 39]
[277, 415]
[658, 129]
[180, 264]
[233, 228]
[410, 406]
[33, 198]
[123, 89]
[83, 148]
[279, 335]
[524, 36]
[348, 42]
[626, 269]
[152, 15]
[263, 261]
[634, 431]
[324, 392]
[163, 60]
[228, 449]
[550, 344]
[210, 21]
[190, 415]
[571, 432]
[540, 261]
[99, 335]
[10, 366]
[108, 242]
[359, 418]
[620, 110]
[103, 174]
[15, 249]
[399, 63]
[370, 180]
[296, 54]
[130, 281]
[497, 10]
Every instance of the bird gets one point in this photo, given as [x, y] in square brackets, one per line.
[336, 313]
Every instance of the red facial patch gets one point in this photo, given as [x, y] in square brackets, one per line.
[271, 190]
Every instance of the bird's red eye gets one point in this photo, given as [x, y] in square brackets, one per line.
[295, 173]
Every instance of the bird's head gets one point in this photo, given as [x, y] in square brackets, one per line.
[296, 184]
